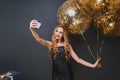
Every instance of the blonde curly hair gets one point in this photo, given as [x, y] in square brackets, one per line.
[65, 40]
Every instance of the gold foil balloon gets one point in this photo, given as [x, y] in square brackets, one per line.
[113, 6]
[74, 19]
[96, 8]
[108, 25]
[93, 7]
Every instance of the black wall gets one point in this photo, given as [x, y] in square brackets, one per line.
[20, 52]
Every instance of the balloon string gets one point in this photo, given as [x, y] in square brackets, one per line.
[99, 46]
[88, 46]
[100, 49]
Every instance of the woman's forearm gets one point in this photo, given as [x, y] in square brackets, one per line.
[38, 38]
[35, 34]
[85, 63]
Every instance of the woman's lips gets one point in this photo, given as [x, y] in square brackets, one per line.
[57, 36]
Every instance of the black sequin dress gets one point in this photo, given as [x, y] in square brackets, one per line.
[61, 69]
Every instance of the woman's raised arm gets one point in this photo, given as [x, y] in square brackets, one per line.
[40, 40]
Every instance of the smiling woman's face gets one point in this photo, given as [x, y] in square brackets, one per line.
[58, 33]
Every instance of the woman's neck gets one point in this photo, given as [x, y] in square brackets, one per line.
[60, 44]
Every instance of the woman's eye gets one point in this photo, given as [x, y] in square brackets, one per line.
[56, 30]
[60, 32]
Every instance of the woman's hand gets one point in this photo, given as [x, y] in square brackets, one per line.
[97, 62]
[34, 24]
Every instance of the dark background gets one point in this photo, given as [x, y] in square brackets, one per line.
[20, 52]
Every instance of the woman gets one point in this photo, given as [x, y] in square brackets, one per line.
[60, 52]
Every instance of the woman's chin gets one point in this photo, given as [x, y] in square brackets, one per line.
[57, 39]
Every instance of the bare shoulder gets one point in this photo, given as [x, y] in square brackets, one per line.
[70, 46]
[71, 49]
[49, 44]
